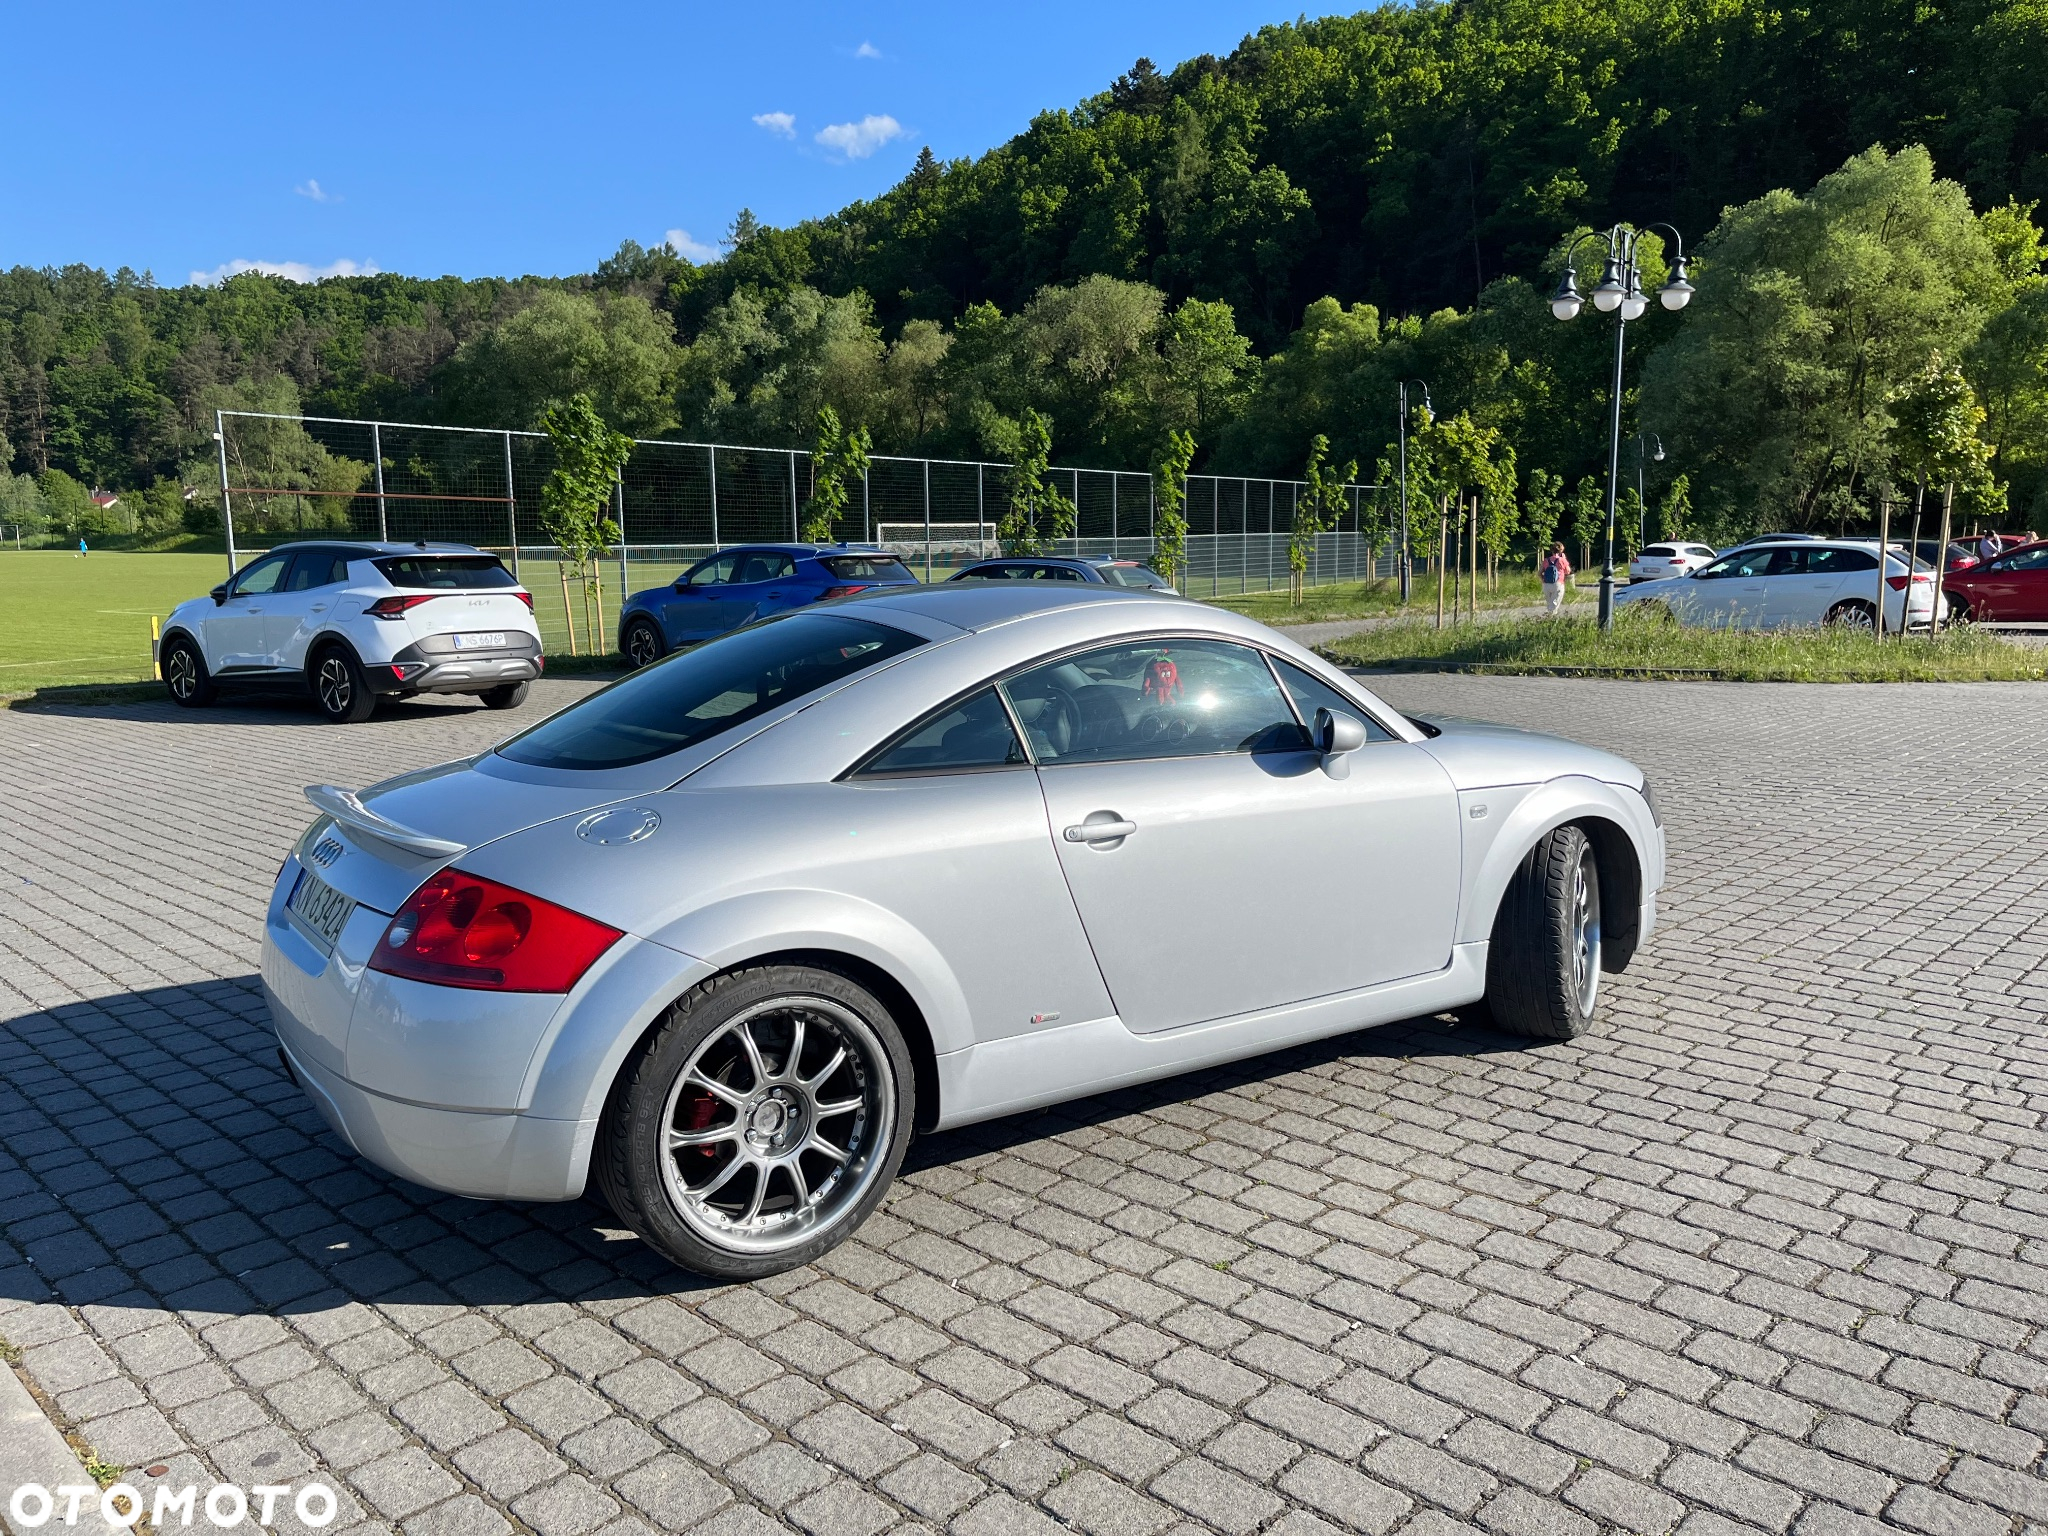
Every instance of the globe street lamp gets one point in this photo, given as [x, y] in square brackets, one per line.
[1619, 293]
[1642, 440]
[1406, 562]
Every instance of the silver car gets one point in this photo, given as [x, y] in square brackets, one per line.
[719, 938]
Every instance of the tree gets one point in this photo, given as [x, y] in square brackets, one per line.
[575, 502]
[613, 348]
[1588, 519]
[1936, 422]
[1542, 508]
[1037, 516]
[1169, 501]
[839, 459]
[1316, 509]
[1674, 512]
[1818, 308]
[23, 512]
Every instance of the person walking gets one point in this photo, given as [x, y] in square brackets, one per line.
[1557, 574]
[81, 547]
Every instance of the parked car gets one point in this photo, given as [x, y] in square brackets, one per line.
[2008, 591]
[1793, 583]
[351, 622]
[1102, 570]
[1661, 562]
[751, 581]
[1961, 555]
[715, 939]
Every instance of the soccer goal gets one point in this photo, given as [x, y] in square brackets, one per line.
[977, 540]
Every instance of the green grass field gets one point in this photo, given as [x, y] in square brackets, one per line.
[1375, 599]
[1641, 646]
[67, 620]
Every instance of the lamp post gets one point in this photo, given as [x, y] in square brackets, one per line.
[1619, 293]
[1642, 440]
[1407, 562]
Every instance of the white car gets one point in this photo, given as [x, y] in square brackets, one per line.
[350, 621]
[1788, 585]
[1660, 562]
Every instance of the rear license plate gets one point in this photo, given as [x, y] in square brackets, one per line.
[493, 640]
[321, 910]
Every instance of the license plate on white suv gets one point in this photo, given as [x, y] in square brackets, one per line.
[489, 641]
[321, 910]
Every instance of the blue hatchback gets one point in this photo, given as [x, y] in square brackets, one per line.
[737, 586]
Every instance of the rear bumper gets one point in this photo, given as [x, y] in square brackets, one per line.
[486, 1156]
[434, 665]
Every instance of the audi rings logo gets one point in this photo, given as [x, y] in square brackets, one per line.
[327, 850]
[223, 1505]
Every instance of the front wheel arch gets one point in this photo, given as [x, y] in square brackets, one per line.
[1618, 860]
[1621, 890]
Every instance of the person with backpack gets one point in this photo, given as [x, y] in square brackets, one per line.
[1557, 574]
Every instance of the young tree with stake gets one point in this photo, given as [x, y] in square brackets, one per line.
[574, 502]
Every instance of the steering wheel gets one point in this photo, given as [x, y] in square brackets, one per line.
[1060, 725]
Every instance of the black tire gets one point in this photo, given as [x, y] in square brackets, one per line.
[1542, 976]
[339, 687]
[643, 644]
[185, 676]
[677, 1197]
[1853, 614]
[506, 695]
[1959, 613]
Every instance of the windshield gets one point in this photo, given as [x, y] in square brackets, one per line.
[459, 573]
[1128, 575]
[695, 695]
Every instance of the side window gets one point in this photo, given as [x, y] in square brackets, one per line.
[975, 733]
[763, 565]
[714, 572]
[1310, 693]
[313, 568]
[1830, 562]
[1169, 698]
[2035, 559]
[260, 579]
[1058, 573]
[1788, 561]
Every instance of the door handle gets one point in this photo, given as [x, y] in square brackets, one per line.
[1111, 829]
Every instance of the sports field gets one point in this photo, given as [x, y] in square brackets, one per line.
[67, 620]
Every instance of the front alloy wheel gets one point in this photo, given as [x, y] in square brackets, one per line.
[1543, 964]
[760, 1124]
[644, 645]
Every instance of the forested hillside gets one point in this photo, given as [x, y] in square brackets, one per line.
[1252, 248]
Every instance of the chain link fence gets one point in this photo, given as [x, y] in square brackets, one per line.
[296, 477]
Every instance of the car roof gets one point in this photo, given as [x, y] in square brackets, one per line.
[374, 549]
[982, 605]
[804, 550]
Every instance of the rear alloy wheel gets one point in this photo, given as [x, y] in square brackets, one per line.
[1855, 614]
[644, 645]
[1543, 966]
[185, 676]
[760, 1124]
[340, 689]
[506, 695]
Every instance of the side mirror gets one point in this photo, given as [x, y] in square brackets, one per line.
[219, 594]
[1337, 735]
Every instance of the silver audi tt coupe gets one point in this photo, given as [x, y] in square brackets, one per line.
[719, 938]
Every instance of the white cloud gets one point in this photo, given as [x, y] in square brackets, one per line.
[781, 124]
[867, 51]
[317, 193]
[293, 271]
[856, 141]
[679, 241]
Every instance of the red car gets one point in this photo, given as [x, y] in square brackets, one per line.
[2008, 591]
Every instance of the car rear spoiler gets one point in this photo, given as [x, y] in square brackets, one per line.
[345, 808]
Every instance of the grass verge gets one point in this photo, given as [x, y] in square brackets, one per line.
[1639, 646]
[1372, 599]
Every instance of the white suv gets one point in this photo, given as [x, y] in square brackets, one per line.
[350, 621]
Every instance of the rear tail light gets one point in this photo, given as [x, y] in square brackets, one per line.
[461, 931]
[847, 591]
[525, 597]
[1898, 583]
[394, 607]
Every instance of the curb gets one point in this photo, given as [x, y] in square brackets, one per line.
[31, 1451]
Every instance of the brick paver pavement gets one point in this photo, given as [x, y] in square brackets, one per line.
[1765, 1252]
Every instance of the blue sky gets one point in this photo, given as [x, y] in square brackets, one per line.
[515, 138]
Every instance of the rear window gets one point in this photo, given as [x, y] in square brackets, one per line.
[695, 695]
[446, 573]
[1662, 551]
[1130, 574]
[867, 568]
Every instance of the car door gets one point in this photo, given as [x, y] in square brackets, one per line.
[1799, 594]
[1729, 592]
[1218, 869]
[698, 605]
[766, 583]
[235, 638]
[2012, 589]
[299, 608]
